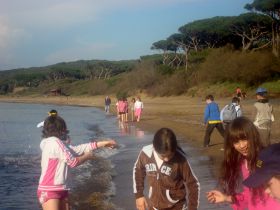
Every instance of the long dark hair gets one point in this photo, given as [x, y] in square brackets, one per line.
[54, 125]
[165, 141]
[240, 128]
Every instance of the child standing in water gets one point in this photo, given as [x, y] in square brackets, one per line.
[242, 146]
[138, 107]
[57, 156]
[170, 177]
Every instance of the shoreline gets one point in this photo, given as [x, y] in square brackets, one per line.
[184, 115]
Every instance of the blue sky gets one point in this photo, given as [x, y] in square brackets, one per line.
[38, 33]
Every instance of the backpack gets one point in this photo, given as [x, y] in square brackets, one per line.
[229, 113]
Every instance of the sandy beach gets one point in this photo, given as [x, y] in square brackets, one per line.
[183, 114]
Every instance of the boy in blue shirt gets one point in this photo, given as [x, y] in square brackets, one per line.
[212, 119]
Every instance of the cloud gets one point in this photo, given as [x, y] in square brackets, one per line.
[23, 21]
[67, 12]
[81, 51]
[10, 38]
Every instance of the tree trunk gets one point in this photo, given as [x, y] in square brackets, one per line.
[187, 58]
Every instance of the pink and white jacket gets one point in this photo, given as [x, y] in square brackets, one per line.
[56, 158]
[244, 199]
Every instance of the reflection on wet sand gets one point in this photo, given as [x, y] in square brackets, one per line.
[130, 129]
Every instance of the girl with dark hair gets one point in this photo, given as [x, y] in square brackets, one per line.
[57, 156]
[169, 175]
[242, 146]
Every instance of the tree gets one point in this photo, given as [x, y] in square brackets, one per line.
[165, 46]
[272, 9]
[254, 30]
[208, 33]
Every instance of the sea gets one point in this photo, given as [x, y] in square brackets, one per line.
[104, 183]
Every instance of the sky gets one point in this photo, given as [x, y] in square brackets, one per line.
[37, 33]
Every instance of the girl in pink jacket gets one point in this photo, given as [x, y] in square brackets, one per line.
[57, 156]
[242, 145]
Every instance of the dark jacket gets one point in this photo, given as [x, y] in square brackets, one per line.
[167, 183]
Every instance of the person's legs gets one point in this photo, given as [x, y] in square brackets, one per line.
[209, 130]
[52, 204]
[265, 136]
[220, 128]
[132, 115]
[138, 114]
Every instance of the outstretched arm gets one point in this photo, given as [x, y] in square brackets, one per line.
[89, 155]
[110, 143]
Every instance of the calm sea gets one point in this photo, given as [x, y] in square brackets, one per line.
[110, 175]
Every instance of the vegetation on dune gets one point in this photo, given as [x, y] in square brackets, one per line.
[214, 54]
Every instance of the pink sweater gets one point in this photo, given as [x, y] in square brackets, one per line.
[244, 199]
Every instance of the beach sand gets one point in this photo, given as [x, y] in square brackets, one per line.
[181, 113]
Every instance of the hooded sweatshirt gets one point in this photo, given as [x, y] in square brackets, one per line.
[169, 182]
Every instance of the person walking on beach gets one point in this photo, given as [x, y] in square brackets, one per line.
[231, 111]
[132, 102]
[212, 119]
[107, 104]
[242, 146]
[57, 156]
[263, 115]
[170, 176]
[138, 108]
[267, 172]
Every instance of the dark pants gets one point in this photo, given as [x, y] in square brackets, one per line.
[209, 130]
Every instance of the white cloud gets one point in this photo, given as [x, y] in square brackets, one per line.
[20, 20]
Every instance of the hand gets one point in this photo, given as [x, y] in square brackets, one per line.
[141, 203]
[107, 143]
[216, 196]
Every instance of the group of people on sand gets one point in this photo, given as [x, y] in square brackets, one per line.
[262, 114]
[248, 154]
[135, 107]
[249, 176]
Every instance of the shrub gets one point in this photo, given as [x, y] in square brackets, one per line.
[223, 65]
